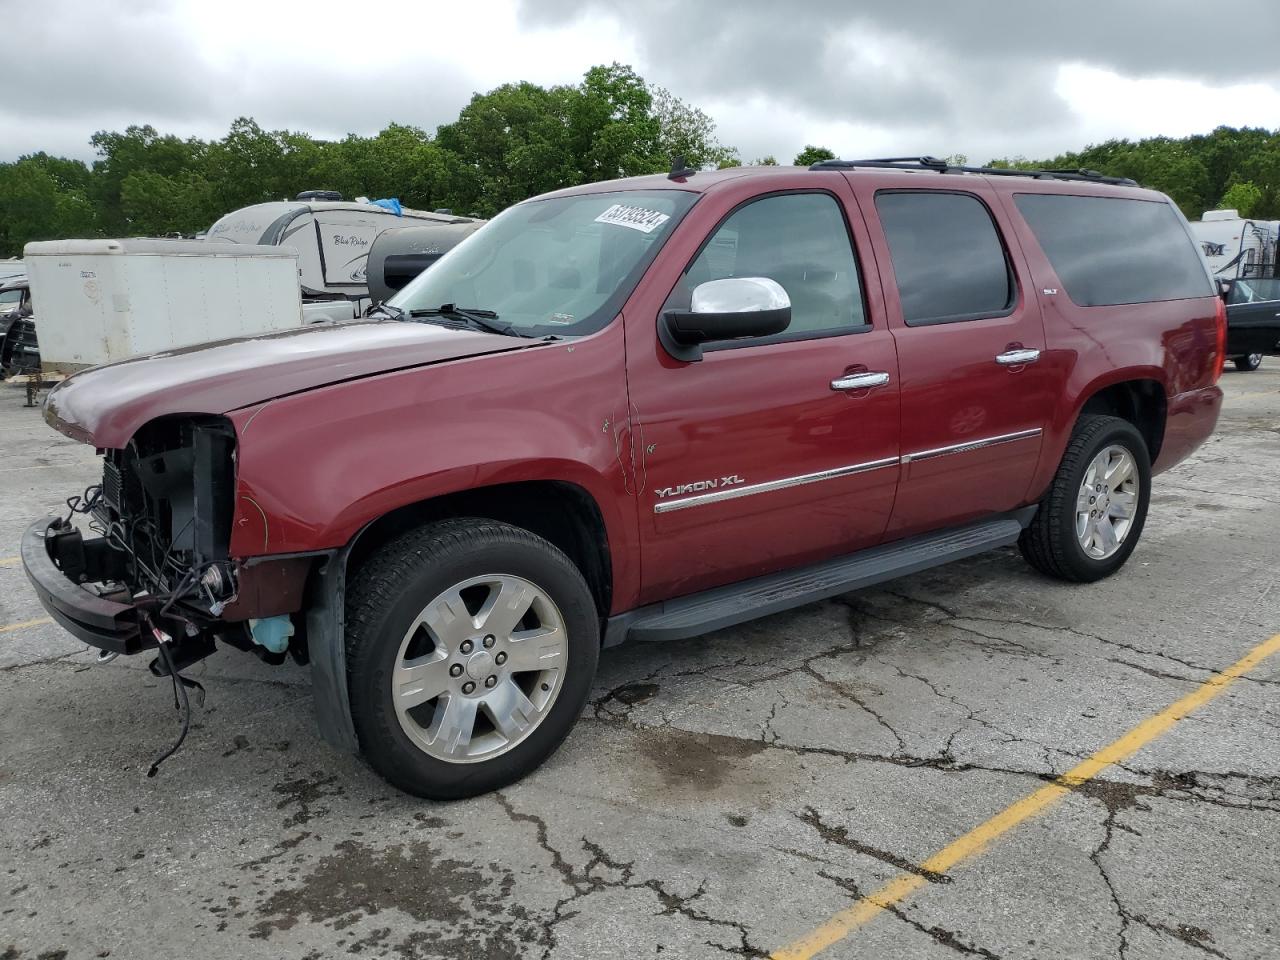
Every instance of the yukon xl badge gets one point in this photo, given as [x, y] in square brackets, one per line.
[698, 486]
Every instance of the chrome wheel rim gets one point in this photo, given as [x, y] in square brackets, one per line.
[479, 668]
[1107, 502]
[1254, 360]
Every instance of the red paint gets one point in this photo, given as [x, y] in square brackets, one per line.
[339, 425]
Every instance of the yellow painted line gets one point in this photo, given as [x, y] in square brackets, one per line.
[10, 627]
[9, 561]
[979, 838]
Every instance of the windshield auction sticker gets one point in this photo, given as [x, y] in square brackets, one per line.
[637, 218]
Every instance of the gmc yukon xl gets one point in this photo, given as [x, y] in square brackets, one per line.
[642, 409]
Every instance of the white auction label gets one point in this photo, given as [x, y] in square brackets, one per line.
[637, 218]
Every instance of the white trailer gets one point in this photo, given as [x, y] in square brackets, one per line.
[98, 301]
[333, 239]
[1235, 246]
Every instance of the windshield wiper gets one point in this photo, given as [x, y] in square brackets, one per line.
[477, 319]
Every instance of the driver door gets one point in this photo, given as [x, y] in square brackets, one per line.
[765, 454]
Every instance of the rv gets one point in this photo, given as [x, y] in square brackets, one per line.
[1237, 247]
[333, 238]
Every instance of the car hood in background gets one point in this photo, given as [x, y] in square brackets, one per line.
[106, 405]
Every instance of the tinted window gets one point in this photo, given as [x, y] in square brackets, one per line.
[1108, 250]
[801, 241]
[947, 256]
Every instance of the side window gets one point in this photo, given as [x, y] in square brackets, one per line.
[801, 241]
[947, 257]
[1112, 250]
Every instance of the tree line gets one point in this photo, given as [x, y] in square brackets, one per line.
[510, 143]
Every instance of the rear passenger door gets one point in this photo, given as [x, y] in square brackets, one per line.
[976, 390]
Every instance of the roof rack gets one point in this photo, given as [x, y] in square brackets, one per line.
[941, 166]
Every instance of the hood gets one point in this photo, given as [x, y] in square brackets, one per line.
[106, 405]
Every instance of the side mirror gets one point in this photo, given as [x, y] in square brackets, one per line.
[1224, 288]
[728, 309]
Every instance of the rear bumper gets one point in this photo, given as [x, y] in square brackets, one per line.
[97, 621]
[1191, 419]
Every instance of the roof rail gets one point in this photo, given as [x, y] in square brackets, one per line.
[941, 166]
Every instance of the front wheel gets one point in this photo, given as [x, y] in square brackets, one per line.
[1092, 517]
[471, 647]
[1249, 362]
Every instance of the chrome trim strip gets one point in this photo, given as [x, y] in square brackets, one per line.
[970, 445]
[732, 493]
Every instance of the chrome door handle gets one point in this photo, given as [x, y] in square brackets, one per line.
[1016, 358]
[860, 381]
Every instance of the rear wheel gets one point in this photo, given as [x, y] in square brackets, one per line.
[471, 646]
[1249, 362]
[1093, 515]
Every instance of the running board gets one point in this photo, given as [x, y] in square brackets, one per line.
[737, 603]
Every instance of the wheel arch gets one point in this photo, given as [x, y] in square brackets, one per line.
[561, 512]
[1140, 401]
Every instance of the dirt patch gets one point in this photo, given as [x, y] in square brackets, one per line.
[701, 763]
[458, 909]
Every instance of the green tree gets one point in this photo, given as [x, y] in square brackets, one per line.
[1242, 196]
[811, 155]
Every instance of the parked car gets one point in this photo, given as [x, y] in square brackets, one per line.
[19, 352]
[643, 409]
[333, 238]
[1253, 320]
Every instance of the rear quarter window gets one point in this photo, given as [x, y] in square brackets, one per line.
[1112, 250]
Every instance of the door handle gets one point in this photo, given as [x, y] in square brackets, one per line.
[1016, 358]
[860, 381]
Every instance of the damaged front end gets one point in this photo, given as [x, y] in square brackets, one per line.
[159, 569]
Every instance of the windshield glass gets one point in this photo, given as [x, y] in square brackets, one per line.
[558, 266]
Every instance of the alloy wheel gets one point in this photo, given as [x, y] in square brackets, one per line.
[1107, 502]
[479, 668]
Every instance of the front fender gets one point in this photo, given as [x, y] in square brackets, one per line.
[317, 467]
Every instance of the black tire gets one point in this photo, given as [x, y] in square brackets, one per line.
[389, 590]
[1050, 543]
[1248, 363]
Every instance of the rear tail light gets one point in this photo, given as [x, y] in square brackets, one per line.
[1220, 355]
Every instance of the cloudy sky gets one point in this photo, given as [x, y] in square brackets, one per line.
[864, 78]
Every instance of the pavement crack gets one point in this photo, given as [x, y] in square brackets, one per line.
[843, 691]
[840, 836]
[592, 878]
[943, 936]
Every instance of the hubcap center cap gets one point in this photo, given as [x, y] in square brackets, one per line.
[480, 665]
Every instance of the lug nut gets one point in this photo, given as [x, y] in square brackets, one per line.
[467, 646]
[489, 640]
[455, 670]
[490, 681]
[468, 687]
[546, 686]
[500, 659]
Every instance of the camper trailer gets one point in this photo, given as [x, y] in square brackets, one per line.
[333, 238]
[1235, 246]
[400, 254]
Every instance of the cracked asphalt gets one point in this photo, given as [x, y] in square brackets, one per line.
[723, 795]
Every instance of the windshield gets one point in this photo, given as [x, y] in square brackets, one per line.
[562, 266]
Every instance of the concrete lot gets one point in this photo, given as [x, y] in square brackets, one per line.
[720, 796]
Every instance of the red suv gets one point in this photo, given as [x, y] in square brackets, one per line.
[643, 409]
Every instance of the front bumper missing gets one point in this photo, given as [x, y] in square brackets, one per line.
[111, 625]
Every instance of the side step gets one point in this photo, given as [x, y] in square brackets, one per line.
[739, 602]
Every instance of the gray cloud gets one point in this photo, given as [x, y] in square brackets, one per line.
[979, 75]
